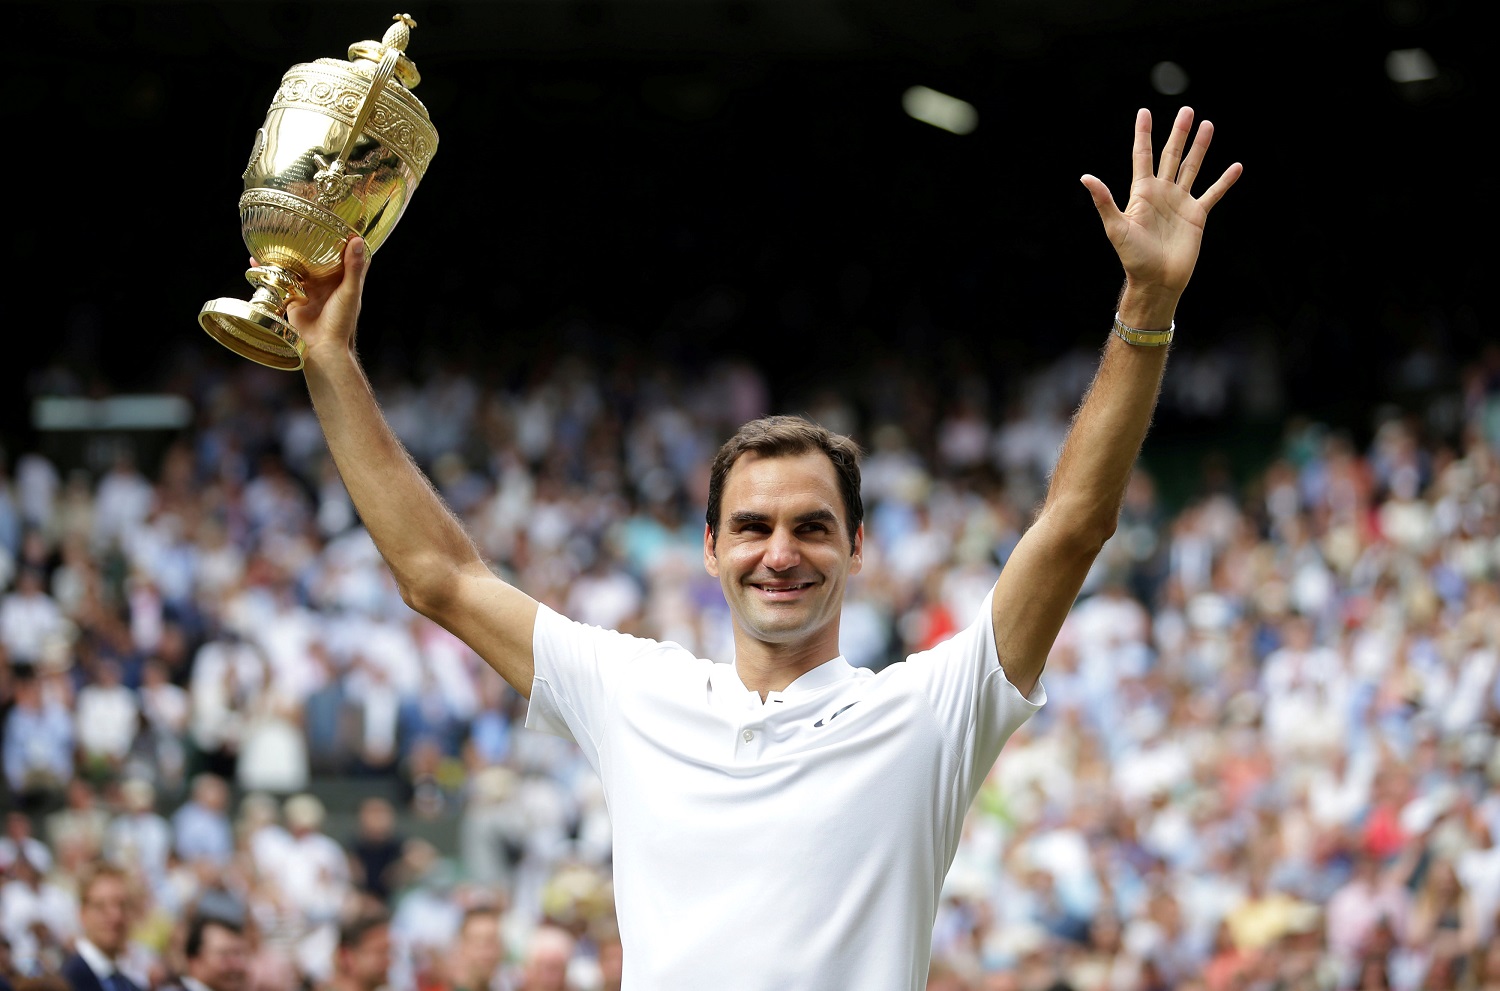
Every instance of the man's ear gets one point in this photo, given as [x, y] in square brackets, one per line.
[857, 560]
[710, 556]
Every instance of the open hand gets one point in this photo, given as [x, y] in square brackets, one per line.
[1158, 234]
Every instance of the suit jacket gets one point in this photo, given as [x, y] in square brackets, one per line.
[81, 977]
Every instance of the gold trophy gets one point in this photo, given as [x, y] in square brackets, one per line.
[340, 154]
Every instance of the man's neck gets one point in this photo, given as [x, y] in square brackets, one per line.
[766, 667]
[101, 963]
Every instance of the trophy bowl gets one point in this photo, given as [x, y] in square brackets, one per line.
[342, 149]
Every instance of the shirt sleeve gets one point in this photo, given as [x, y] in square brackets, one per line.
[577, 676]
[976, 706]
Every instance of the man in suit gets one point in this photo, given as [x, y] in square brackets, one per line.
[106, 912]
[217, 955]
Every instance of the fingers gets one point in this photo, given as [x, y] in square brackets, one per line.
[1194, 160]
[1141, 158]
[1171, 155]
[1217, 190]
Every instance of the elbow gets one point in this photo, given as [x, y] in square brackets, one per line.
[431, 592]
[1080, 534]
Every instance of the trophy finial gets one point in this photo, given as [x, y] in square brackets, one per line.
[399, 34]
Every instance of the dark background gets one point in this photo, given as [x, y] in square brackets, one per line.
[696, 178]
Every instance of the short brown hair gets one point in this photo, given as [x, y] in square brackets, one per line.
[98, 871]
[354, 928]
[788, 436]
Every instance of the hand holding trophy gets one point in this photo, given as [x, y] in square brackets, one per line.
[341, 151]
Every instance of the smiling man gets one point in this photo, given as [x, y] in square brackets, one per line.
[786, 820]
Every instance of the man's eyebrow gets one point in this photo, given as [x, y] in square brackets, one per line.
[744, 516]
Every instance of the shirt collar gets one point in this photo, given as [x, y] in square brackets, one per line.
[724, 677]
[102, 966]
[825, 674]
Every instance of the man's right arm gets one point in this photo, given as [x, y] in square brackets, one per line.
[436, 565]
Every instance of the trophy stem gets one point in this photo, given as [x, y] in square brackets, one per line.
[258, 329]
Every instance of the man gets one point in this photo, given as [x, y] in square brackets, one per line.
[217, 955]
[787, 820]
[37, 916]
[106, 911]
[544, 967]
[478, 951]
[139, 836]
[362, 961]
[38, 744]
[201, 829]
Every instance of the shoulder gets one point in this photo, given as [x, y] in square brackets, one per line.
[556, 631]
[76, 971]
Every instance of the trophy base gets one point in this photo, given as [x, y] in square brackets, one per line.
[253, 333]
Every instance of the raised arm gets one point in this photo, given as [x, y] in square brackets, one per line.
[435, 563]
[1157, 238]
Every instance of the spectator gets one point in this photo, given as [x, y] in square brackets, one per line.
[1369, 898]
[139, 838]
[18, 842]
[376, 848]
[217, 955]
[107, 718]
[38, 745]
[107, 909]
[201, 831]
[478, 952]
[29, 618]
[312, 874]
[362, 961]
[166, 708]
[81, 822]
[38, 918]
[544, 967]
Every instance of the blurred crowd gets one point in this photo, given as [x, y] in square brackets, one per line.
[1269, 759]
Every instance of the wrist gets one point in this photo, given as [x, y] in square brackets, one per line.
[329, 359]
[1148, 307]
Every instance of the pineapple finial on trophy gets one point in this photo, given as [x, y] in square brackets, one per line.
[398, 34]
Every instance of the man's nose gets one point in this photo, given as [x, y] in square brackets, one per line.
[782, 552]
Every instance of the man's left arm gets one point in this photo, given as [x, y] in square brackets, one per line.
[1157, 237]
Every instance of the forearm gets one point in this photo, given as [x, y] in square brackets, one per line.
[1088, 484]
[421, 540]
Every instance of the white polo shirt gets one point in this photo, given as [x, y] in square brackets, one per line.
[797, 843]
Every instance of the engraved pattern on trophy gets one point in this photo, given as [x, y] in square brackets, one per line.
[405, 129]
[260, 144]
[342, 148]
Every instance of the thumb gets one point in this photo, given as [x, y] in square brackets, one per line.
[356, 267]
[1104, 202]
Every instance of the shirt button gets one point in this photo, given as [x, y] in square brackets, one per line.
[749, 736]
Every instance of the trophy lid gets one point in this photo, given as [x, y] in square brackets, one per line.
[367, 54]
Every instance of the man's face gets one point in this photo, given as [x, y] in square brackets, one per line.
[104, 914]
[369, 961]
[223, 961]
[480, 948]
[782, 552]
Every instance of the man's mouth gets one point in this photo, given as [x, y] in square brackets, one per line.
[781, 588]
